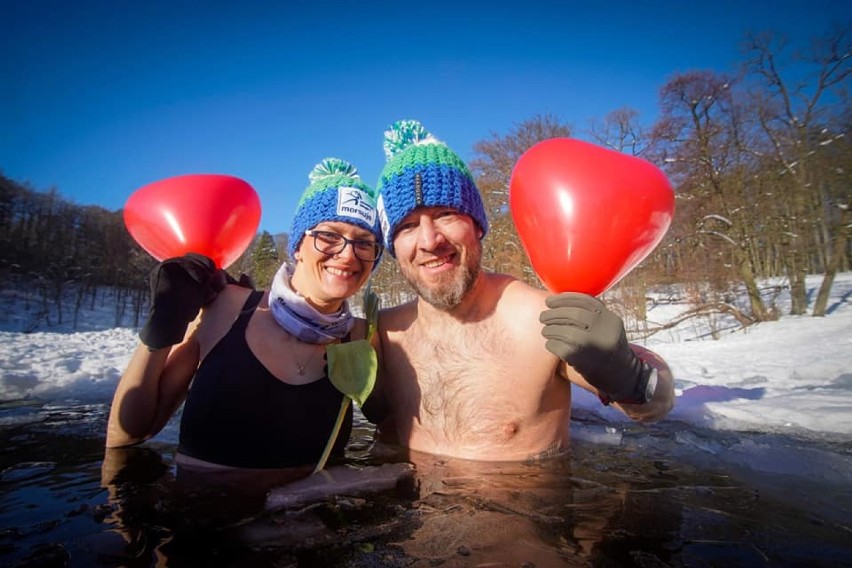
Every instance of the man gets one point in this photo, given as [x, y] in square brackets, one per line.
[468, 370]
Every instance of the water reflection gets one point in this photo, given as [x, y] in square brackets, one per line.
[507, 514]
[132, 478]
[64, 502]
[169, 515]
[593, 506]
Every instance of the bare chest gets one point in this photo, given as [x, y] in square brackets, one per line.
[467, 391]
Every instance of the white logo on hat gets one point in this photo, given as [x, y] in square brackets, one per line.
[352, 202]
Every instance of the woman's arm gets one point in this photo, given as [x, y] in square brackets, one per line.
[160, 370]
[151, 389]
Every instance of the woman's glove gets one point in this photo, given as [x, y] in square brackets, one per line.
[583, 333]
[180, 286]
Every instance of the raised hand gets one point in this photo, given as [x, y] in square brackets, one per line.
[583, 333]
[180, 286]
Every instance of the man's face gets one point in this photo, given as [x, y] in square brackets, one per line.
[439, 253]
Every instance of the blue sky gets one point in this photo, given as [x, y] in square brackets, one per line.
[99, 98]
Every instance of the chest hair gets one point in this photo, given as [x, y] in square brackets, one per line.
[464, 380]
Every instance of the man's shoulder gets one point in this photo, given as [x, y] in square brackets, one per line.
[516, 291]
[518, 303]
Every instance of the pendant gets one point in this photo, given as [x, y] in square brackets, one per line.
[301, 368]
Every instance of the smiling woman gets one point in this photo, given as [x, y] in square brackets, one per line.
[258, 392]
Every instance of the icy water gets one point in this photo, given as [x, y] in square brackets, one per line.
[616, 499]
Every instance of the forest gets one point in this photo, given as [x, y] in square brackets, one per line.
[760, 161]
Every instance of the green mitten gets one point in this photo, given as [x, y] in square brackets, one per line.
[352, 368]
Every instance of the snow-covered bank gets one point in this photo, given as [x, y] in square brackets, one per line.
[792, 376]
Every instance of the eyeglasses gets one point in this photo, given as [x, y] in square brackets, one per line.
[327, 242]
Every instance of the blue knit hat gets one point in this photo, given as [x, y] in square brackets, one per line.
[336, 193]
[423, 172]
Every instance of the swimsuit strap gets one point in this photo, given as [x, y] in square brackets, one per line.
[248, 309]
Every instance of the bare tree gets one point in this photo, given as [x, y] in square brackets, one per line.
[387, 281]
[493, 162]
[799, 119]
[700, 139]
[621, 131]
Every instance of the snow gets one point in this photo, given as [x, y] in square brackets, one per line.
[776, 383]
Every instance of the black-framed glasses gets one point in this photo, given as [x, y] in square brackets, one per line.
[328, 242]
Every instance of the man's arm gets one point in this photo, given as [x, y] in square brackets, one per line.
[592, 345]
[663, 398]
[664, 395]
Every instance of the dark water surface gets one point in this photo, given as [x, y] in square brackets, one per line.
[64, 502]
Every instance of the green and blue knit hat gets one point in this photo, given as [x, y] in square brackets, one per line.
[423, 172]
[336, 193]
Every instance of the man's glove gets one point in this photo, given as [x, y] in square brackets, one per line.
[180, 286]
[583, 333]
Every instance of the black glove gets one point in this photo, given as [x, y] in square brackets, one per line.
[180, 286]
[245, 281]
[583, 333]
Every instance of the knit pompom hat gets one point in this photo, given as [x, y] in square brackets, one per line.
[336, 193]
[423, 172]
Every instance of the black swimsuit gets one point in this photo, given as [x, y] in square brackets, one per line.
[238, 414]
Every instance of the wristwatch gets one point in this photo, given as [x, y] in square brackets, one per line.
[645, 388]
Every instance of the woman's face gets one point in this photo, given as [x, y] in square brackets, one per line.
[330, 269]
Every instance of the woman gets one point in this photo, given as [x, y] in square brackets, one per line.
[260, 396]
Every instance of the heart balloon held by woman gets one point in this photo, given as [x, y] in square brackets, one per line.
[587, 215]
[211, 214]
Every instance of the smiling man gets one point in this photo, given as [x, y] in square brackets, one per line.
[480, 365]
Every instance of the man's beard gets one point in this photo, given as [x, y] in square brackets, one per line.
[452, 287]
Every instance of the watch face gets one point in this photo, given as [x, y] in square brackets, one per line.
[651, 386]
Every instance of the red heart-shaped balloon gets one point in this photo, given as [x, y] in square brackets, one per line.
[211, 214]
[587, 215]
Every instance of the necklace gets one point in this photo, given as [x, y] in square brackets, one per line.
[301, 366]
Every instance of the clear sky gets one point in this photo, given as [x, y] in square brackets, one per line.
[99, 98]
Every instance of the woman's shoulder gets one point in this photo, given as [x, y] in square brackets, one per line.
[219, 315]
[231, 300]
